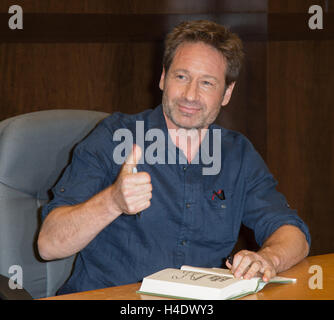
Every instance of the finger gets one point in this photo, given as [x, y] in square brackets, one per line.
[268, 274]
[136, 204]
[144, 205]
[137, 190]
[130, 181]
[243, 266]
[132, 160]
[139, 198]
[237, 260]
[139, 206]
[253, 270]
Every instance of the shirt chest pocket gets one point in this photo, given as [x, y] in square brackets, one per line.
[218, 217]
[218, 201]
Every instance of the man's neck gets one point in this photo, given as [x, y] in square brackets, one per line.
[187, 140]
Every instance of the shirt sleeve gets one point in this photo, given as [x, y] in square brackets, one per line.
[266, 209]
[86, 175]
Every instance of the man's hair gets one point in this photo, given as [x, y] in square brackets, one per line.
[211, 33]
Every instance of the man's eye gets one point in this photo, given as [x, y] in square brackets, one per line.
[207, 83]
[180, 76]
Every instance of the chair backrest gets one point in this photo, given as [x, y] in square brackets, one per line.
[34, 149]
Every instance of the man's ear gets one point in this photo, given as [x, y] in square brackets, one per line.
[228, 94]
[162, 79]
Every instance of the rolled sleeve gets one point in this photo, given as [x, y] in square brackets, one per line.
[84, 177]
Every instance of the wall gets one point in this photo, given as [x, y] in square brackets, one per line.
[300, 134]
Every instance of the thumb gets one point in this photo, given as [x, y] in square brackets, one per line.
[133, 158]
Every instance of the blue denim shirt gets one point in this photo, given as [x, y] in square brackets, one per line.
[186, 223]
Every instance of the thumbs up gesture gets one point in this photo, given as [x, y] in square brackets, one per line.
[133, 191]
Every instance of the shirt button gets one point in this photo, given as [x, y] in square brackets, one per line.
[183, 242]
[62, 189]
[184, 168]
[187, 205]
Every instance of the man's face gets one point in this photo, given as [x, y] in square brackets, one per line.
[193, 88]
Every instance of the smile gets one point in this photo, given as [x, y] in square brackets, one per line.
[188, 110]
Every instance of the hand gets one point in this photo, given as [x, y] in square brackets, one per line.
[248, 264]
[132, 191]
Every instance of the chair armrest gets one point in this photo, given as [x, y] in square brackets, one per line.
[7, 293]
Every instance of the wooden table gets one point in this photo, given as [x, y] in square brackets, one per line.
[298, 291]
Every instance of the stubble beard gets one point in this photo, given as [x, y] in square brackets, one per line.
[170, 108]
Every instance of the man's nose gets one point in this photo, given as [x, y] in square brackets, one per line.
[191, 91]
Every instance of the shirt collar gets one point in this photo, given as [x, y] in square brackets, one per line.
[156, 119]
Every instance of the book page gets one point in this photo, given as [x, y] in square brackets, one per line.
[217, 271]
[193, 278]
[228, 273]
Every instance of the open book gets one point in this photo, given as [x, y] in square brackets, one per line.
[202, 284]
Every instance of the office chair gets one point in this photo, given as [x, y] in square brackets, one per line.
[34, 150]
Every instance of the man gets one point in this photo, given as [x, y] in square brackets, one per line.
[130, 220]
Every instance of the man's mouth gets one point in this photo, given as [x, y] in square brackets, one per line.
[188, 109]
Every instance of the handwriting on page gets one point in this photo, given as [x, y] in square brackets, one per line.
[195, 276]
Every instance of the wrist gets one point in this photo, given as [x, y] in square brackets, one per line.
[104, 205]
[112, 203]
[272, 257]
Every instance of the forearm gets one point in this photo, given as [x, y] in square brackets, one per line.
[285, 247]
[68, 229]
